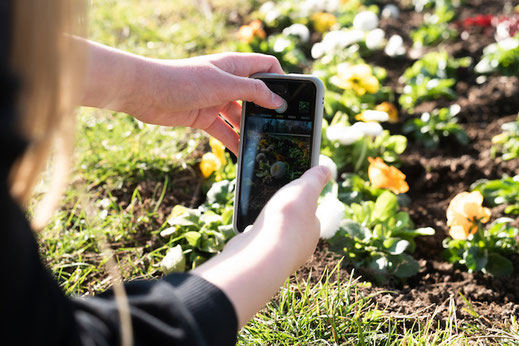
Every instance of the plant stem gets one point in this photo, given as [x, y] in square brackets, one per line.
[362, 155]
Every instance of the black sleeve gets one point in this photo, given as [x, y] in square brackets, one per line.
[180, 309]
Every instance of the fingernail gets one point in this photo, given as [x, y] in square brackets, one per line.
[327, 172]
[277, 100]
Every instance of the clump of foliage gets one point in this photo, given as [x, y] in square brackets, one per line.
[202, 232]
[435, 28]
[506, 144]
[430, 78]
[486, 250]
[430, 128]
[500, 191]
[375, 235]
[355, 156]
[501, 57]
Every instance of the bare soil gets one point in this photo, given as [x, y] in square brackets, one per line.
[435, 177]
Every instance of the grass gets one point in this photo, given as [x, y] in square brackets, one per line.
[129, 175]
[333, 311]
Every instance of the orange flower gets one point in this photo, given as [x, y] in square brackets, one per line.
[390, 109]
[387, 177]
[247, 33]
[464, 212]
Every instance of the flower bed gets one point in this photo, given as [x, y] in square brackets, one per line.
[407, 220]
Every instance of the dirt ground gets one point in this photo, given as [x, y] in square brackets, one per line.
[435, 177]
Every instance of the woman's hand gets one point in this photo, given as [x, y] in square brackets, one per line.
[254, 264]
[198, 92]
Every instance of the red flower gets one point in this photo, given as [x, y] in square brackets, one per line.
[482, 21]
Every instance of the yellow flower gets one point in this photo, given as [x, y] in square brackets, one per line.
[323, 21]
[387, 177]
[463, 214]
[218, 149]
[247, 33]
[359, 78]
[209, 164]
[390, 109]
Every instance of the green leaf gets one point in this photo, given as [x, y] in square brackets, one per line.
[174, 261]
[356, 230]
[227, 231]
[385, 206]
[212, 242]
[220, 192]
[227, 216]
[403, 266]
[475, 258]
[498, 265]
[379, 263]
[396, 246]
[192, 238]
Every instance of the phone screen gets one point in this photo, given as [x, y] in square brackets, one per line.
[277, 147]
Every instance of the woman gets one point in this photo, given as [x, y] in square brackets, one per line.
[43, 74]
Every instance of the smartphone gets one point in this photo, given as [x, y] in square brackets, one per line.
[276, 145]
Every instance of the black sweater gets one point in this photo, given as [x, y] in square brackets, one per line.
[180, 309]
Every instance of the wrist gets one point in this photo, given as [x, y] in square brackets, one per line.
[111, 78]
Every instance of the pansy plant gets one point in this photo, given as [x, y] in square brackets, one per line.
[473, 246]
[430, 78]
[430, 129]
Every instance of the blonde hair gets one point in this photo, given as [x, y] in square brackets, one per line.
[48, 65]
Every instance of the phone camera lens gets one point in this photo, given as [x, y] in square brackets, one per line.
[282, 108]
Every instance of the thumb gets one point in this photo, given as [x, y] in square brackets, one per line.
[304, 192]
[254, 90]
[313, 181]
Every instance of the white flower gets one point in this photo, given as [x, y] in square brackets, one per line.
[508, 43]
[331, 5]
[365, 21]
[502, 31]
[328, 163]
[298, 30]
[317, 50]
[483, 66]
[174, 261]
[490, 49]
[395, 46]
[345, 135]
[330, 212]
[371, 115]
[308, 7]
[375, 39]
[391, 11]
[281, 44]
[267, 7]
[368, 129]
[336, 40]
[270, 11]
